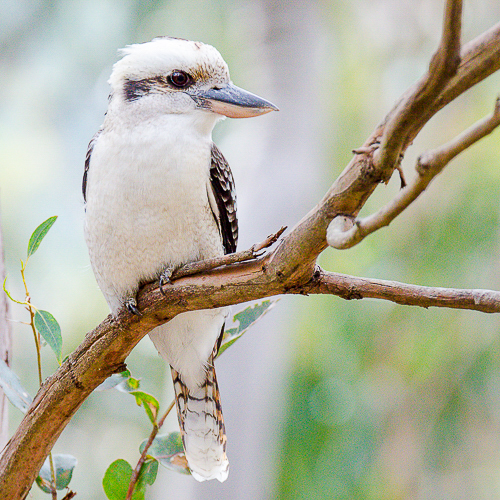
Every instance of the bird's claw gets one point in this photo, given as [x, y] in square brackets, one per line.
[165, 278]
[131, 305]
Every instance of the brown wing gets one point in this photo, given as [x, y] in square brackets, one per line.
[222, 183]
[87, 163]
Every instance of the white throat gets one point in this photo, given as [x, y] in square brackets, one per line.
[147, 113]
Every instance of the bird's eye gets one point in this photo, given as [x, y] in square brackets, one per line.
[180, 79]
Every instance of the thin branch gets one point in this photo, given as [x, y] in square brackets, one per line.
[428, 166]
[254, 252]
[142, 458]
[53, 490]
[354, 288]
[31, 310]
[432, 162]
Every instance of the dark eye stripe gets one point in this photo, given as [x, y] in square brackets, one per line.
[135, 89]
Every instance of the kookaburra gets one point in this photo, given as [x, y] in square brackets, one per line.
[159, 194]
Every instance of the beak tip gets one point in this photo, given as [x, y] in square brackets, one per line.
[268, 107]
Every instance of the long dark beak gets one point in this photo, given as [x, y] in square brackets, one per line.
[232, 101]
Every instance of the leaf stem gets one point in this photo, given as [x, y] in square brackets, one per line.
[53, 489]
[36, 335]
[135, 474]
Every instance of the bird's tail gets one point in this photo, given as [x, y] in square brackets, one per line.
[202, 426]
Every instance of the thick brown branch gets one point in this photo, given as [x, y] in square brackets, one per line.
[429, 165]
[352, 287]
[103, 353]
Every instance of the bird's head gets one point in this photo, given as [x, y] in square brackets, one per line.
[174, 76]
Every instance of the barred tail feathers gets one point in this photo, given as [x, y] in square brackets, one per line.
[202, 426]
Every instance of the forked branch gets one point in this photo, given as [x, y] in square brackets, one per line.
[428, 166]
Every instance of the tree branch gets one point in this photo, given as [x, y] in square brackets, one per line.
[479, 59]
[352, 287]
[428, 166]
[226, 260]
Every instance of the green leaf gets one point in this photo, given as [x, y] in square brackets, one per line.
[117, 479]
[114, 380]
[168, 450]
[63, 469]
[11, 386]
[246, 319]
[164, 445]
[147, 474]
[50, 330]
[150, 403]
[39, 234]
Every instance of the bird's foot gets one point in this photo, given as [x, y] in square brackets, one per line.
[165, 277]
[131, 305]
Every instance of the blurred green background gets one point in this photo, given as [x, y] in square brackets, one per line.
[323, 399]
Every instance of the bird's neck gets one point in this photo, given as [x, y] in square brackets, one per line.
[134, 119]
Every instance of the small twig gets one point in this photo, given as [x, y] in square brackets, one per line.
[428, 166]
[142, 458]
[354, 288]
[69, 495]
[30, 308]
[53, 489]
[364, 150]
[232, 258]
[36, 336]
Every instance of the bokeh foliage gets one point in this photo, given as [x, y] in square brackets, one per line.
[378, 400]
